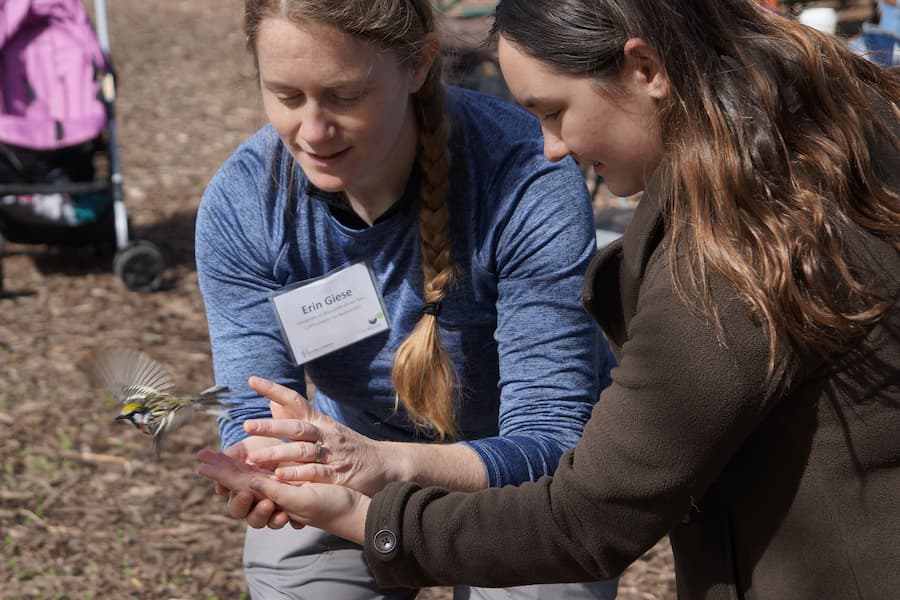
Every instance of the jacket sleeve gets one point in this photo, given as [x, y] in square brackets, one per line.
[237, 236]
[552, 358]
[681, 402]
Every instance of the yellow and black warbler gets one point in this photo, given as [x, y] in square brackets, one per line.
[142, 385]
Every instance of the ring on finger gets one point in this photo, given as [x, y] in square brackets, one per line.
[318, 451]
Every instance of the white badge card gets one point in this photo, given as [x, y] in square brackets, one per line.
[331, 312]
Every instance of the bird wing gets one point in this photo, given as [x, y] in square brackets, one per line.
[169, 422]
[124, 373]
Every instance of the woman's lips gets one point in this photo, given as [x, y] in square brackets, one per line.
[327, 159]
[598, 166]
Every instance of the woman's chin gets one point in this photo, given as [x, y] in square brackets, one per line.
[325, 182]
[623, 189]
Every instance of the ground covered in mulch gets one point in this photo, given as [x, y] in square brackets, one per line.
[85, 510]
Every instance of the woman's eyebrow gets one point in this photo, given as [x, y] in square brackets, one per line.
[355, 82]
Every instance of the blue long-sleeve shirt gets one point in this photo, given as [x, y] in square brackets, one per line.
[530, 359]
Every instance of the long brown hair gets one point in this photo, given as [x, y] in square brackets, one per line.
[424, 376]
[767, 131]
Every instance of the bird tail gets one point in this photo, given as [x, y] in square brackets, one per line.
[214, 401]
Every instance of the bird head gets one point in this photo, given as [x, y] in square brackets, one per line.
[136, 414]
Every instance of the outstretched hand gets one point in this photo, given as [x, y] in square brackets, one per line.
[321, 449]
[334, 508]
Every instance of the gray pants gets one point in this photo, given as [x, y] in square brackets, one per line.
[310, 564]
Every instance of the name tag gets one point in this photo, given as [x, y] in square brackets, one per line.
[321, 315]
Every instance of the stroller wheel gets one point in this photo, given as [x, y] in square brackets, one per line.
[140, 266]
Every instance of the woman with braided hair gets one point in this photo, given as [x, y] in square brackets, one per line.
[406, 247]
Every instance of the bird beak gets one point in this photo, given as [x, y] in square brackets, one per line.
[122, 418]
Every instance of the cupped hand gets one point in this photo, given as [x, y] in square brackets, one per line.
[322, 450]
[244, 504]
[232, 476]
[334, 508]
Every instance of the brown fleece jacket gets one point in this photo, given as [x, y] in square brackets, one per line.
[792, 495]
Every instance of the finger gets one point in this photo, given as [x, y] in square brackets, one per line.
[311, 472]
[279, 519]
[294, 404]
[254, 443]
[226, 471]
[304, 452]
[292, 429]
[241, 503]
[237, 451]
[297, 524]
[274, 490]
[221, 490]
[260, 514]
[212, 462]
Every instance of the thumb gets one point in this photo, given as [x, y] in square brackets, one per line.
[270, 488]
[282, 494]
[284, 403]
[237, 451]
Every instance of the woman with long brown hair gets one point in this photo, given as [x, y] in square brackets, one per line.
[405, 246]
[754, 413]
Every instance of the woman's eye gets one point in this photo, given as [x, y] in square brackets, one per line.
[551, 116]
[348, 98]
[290, 99]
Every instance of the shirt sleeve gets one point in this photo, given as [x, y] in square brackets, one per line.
[682, 401]
[237, 236]
[552, 357]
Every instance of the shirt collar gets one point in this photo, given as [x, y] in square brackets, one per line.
[341, 210]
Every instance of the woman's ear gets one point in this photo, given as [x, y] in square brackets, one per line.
[645, 68]
[431, 47]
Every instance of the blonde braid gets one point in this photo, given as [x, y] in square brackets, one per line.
[424, 376]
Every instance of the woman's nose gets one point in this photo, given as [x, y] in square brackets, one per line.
[315, 125]
[555, 148]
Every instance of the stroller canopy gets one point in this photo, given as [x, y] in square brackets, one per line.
[50, 69]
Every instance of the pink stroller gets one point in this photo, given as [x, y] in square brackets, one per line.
[56, 126]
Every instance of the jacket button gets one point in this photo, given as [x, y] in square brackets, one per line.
[385, 541]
